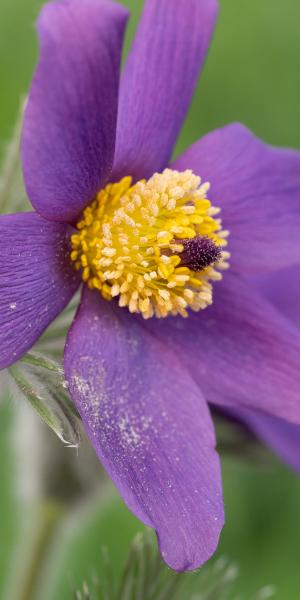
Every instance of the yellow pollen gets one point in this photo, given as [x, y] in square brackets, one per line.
[131, 237]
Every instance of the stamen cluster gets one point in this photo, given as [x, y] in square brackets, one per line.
[132, 238]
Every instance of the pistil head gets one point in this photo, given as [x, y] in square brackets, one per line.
[156, 245]
[199, 253]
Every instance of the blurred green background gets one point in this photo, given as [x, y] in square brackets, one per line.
[252, 75]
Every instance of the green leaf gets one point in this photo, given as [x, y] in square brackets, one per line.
[13, 197]
[41, 381]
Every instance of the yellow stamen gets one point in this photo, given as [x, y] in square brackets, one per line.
[130, 239]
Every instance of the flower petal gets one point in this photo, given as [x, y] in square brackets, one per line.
[158, 82]
[36, 280]
[150, 427]
[70, 121]
[258, 190]
[282, 437]
[282, 289]
[241, 351]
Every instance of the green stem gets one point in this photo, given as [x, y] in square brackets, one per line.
[37, 542]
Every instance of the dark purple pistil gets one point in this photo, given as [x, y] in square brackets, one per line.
[199, 253]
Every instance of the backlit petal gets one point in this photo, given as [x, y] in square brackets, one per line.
[257, 188]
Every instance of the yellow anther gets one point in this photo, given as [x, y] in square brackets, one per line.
[130, 241]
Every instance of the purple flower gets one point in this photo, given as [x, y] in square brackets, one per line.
[142, 385]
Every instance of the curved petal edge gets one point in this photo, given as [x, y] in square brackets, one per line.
[68, 137]
[150, 427]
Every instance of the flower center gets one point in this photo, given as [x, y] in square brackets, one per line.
[156, 245]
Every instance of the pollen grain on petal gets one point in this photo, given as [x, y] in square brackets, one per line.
[156, 245]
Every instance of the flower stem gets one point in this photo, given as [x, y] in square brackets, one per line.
[35, 548]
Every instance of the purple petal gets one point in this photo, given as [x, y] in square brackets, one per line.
[158, 82]
[241, 350]
[282, 437]
[282, 289]
[150, 427]
[258, 190]
[37, 280]
[70, 121]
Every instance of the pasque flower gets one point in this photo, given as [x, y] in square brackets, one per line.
[142, 358]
